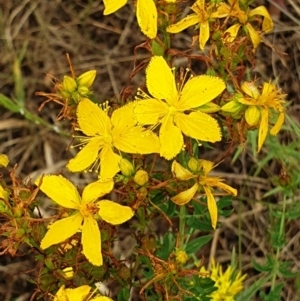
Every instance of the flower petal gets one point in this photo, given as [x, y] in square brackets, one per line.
[3, 160]
[160, 80]
[206, 165]
[199, 90]
[223, 10]
[101, 298]
[184, 197]
[217, 182]
[180, 172]
[263, 128]
[137, 141]
[188, 21]
[199, 126]
[87, 156]
[92, 119]
[78, 294]
[113, 5]
[254, 36]
[146, 14]
[279, 122]
[204, 34]
[61, 230]
[91, 241]
[212, 207]
[231, 33]
[114, 213]
[251, 90]
[267, 25]
[123, 118]
[60, 190]
[95, 190]
[171, 139]
[109, 163]
[150, 111]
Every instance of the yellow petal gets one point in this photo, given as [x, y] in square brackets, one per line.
[183, 24]
[252, 115]
[114, 213]
[263, 128]
[113, 5]
[3, 160]
[267, 25]
[91, 241]
[109, 163]
[200, 90]
[199, 126]
[268, 89]
[185, 196]
[254, 36]
[123, 118]
[95, 190]
[61, 294]
[171, 139]
[231, 33]
[146, 14]
[101, 298]
[137, 141]
[3, 194]
[223, 10]
[92, 119]
[60, 190]
[160, 80]
[279, 122]
[79, 293]
[206, 165]
[217, 182]
[180, 172]
[149, 111]
[61, 230]
[250, 89]
[87, 156]
[204, 34]
[212, 207]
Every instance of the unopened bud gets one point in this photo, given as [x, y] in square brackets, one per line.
[252, 115]
[3, 160]
[141, 177]
[194, 165]
[86, 79]
[69, 84]
[83, 90]
[233, 107]
[126, 168]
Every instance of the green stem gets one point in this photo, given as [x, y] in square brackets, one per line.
[281, 233]
[182, 214]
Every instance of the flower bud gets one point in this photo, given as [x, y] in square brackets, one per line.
[69, 84]
[124, 272]
[194, 165]
[141, 177]
[181, 256]
[83, 91]
[252, 115]
[68, 272]
[126, 167]
[86, 79]
[232, 107]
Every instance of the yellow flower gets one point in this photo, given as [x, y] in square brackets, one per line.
[260, 105]
[168, 107]
[201, 17]
[244, 18]
[146, 14]
[105, 134]
[3, 160]
[202, 180]
[65, 194]
[77, 294]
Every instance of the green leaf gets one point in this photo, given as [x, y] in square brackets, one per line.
[124, 294]
[268, 267]
[196, 244]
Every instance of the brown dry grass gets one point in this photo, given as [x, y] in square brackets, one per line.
[38, 33]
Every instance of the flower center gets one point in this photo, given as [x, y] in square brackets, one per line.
[107, 139]
[88, 209]
[172, 110]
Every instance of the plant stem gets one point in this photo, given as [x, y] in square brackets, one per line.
[181, 225]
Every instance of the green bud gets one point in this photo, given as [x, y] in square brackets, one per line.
[141, 177]
[126, 167]
[233, 107]
[86, 79]
[209, 108]
[83, 91]
[194, 165]
[124, 272]
[252, 115]
[69, 84]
